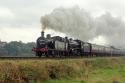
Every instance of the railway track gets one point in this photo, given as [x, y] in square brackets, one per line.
[17, 58]
[53, 58]
[35, 58]
[38, 58]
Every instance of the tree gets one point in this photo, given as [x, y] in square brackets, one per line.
[19, 48]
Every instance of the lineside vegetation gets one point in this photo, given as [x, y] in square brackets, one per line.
[85, 70]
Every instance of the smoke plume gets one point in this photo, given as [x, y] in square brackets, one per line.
[112, 28]
[72, 21]
[80, 24]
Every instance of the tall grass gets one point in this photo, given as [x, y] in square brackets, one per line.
[94, 70]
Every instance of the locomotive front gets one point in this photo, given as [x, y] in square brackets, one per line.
[41, 47]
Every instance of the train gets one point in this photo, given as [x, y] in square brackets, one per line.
[57, 46]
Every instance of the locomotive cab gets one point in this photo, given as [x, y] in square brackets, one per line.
[75, 47]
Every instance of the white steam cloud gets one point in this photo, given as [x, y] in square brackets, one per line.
[112, 28]
[80, 24]
[73, 21]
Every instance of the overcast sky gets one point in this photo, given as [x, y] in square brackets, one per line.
[20, 19]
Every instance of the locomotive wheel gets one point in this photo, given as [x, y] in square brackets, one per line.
[53, 53]
[38, 54]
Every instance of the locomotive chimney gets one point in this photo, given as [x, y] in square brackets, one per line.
[42, 34]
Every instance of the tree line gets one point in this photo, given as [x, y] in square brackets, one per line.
[16, 48]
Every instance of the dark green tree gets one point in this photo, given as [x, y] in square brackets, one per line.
[15, 48]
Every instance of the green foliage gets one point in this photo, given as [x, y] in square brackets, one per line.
[15, 48]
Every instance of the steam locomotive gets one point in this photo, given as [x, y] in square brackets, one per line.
[57, 46]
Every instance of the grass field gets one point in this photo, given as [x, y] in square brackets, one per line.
[85, 70]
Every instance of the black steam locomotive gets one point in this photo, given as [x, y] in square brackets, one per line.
[63, 47]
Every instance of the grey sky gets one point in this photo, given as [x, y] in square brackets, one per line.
[20, 19]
